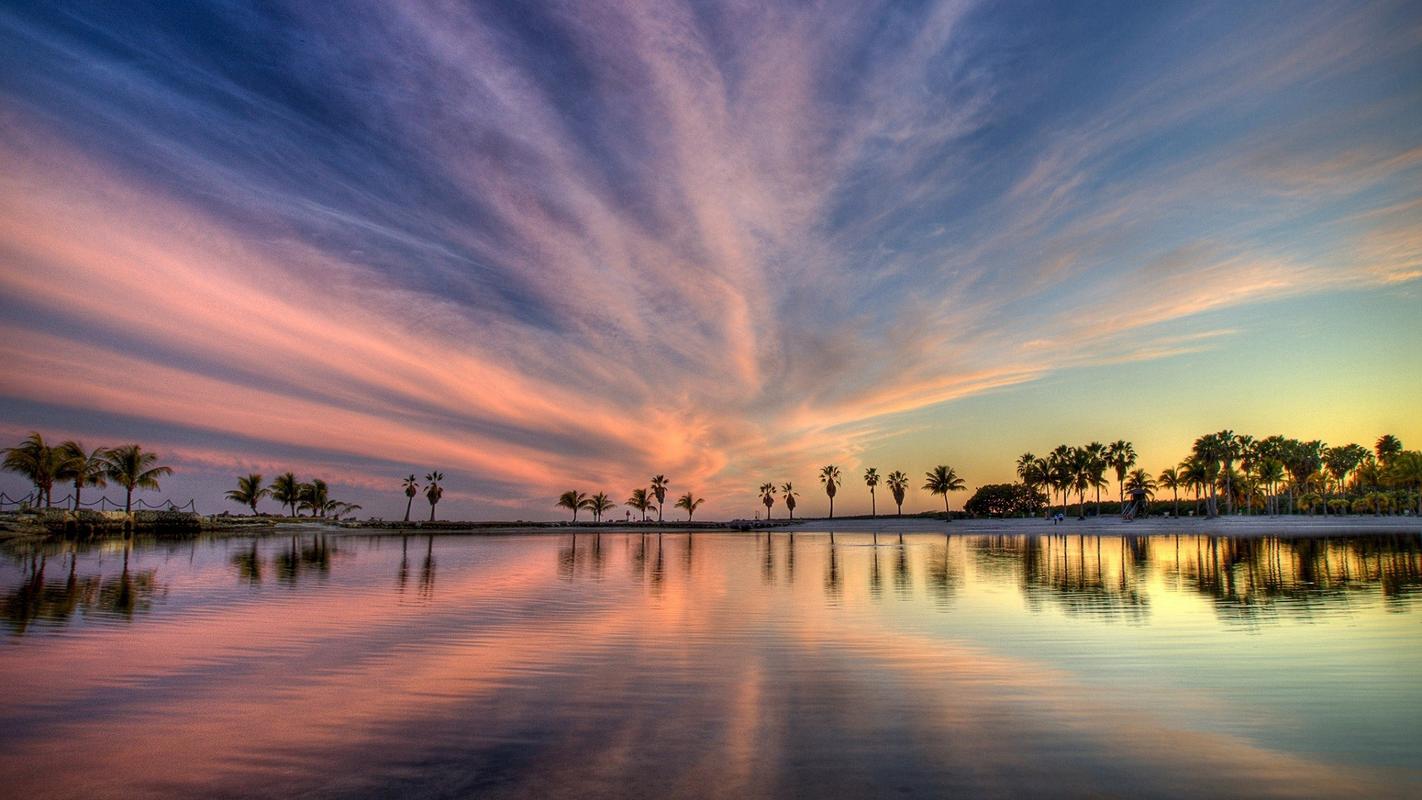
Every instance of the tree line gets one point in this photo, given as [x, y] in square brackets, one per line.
[1242, 473]
[313, 495]
[71, 463]
[642, 499]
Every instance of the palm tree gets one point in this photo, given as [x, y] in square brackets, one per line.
[788, 490]
[943, 479]
[433, 491]
[338, 509]
[640, 501]
[1032, 471]
[1140, 480]
[1248, 451]
[132, 467]
[1170, 479]
[659, 491]
[1195, 475]
[829, 476]
[767, 497]
[1096, 464]
[1209, 450]
[600, 504]
[573, 500]
[1079, 472]
[249, 490]
[1228, 453]
[411, 489]
[84, 467]
[871, 479]
[1271, 473]
[38, 462]
[1122, 455]
[286, 491]
[690, 503]
[1059, 471]
[315, 496]
[898, 485]
[1386, 447]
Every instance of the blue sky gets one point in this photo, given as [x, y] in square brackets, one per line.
[545, 245]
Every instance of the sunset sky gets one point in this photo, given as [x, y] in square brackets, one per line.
[544, 246]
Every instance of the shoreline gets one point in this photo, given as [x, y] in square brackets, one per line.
[1298, 526]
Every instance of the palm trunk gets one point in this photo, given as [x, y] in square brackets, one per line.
[659, 513]
[947, 514]
[831, 497]
[77, 489]
[409, 501]
[432, 509]
[873, 507]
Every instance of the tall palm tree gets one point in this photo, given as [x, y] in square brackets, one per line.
[82, 466]
[1271, 474]
[898, 486]
[1209, 451]
[1027, 471]
[689, 502]
[1096, 464]
[943, 479]
[433, 491]
[871, 479]
[1228, 450]
[286, 490]
[412, 488]
[573, 500]
[1122, 455]
[1248, 451]
[249, 490]
[132, 467]
[788, 490]
[767, 497]
[1170, 479]
[829, 476]
[640, 501]
[659, 491]
[1060, 472]
[1080, 472]
[600, 504]
[37, 462]
[1386, 447]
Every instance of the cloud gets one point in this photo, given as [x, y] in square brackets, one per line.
[582, 243]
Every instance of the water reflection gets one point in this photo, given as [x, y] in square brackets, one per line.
[58, 596]
[304, 558]
[582, 664]
[1104, 577]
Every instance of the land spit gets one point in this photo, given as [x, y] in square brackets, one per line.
[16, 526]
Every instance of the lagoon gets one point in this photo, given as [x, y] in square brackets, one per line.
[323, 663]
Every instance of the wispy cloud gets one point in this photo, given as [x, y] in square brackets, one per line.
[579, 243]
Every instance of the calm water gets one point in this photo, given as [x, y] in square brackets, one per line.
[719, 665]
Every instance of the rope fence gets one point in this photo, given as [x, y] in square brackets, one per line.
[102, 504]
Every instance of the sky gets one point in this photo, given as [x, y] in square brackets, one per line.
[552, 246]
